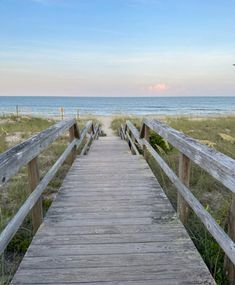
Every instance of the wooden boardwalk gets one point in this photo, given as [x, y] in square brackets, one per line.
[111, 224]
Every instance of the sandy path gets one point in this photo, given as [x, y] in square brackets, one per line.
[106, 125]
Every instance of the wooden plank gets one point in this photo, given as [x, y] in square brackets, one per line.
[110, 229]
[110, 238]
[84, 275]
[116, 248]
[114, 260]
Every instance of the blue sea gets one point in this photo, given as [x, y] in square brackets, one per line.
[50, 106]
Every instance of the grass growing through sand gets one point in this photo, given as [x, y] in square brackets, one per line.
[14, 130]
[215, 132]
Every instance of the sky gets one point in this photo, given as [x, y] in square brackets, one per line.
[117, 47]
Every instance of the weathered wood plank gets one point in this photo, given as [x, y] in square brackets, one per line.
[135, 133]
[114, 260]
[16, 157]
[61, 240]
[113, 274]
[114, 230]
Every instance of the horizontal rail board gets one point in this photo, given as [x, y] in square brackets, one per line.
[134, 132]
[215, 163]
[132, 144]
[16, 157]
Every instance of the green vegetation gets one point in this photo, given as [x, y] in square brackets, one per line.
[14, 130]
[215, 132]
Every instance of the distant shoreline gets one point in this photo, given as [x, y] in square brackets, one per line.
[109, 118]
[50, 107]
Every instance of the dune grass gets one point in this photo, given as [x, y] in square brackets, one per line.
[215, 132]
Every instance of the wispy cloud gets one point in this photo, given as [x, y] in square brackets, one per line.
[158, 88]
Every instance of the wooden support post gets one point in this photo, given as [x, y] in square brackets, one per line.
[34, 179]
[229, 266]
[130, 144]
[71, 138]
[184, 175]
[132, 150]
[146, 136]
[133, 140]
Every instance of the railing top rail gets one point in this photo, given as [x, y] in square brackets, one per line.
[219, 165]
[16, 157]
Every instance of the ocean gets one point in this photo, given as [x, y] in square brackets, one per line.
[50, 106]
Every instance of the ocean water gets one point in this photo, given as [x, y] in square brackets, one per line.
[50, 106]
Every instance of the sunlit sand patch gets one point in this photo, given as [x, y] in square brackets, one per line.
[208, 143]
[227, 138]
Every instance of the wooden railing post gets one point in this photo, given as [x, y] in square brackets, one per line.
[129, 142]
[34, 179]
[133, 140]
[184, 175]
[71, 138]
[146, 136]
[229, 266]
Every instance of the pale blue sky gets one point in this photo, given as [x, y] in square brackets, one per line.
[117, 47]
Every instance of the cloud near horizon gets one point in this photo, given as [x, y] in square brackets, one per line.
[158, 88]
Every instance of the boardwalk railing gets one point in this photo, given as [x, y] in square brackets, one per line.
[26, 153]
[215, 163]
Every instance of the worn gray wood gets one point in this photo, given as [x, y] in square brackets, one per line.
[184, 175]
[111, 224]
[133, 146]
[211, 225]
[34, 180]
[135, 132]
[216, 163]
[14, 224]
[16, 157]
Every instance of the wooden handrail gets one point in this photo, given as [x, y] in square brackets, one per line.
[215, 163]
[16, 157]
[49, 135]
